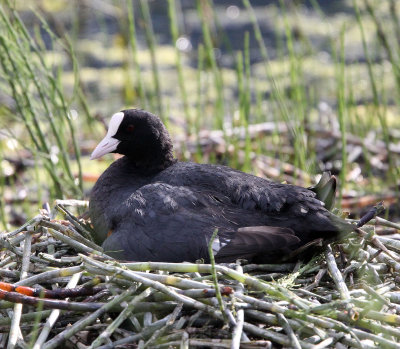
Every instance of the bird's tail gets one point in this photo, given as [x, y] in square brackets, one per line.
[326, 190]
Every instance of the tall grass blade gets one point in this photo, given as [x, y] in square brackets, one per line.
[151, 43]
[203, 8]
[342, 112]
[376, 101]
[178, 57]
[134, 51]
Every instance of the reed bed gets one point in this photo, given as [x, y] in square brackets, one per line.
[59, 289]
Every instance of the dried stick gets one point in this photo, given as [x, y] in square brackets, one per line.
[54, 315]
[271, 289]
[80, 247]
[294, 342]
[75, 222]
[166, 327]
[336, 274]
[157, 285]
[85, 321]
[238, 329]
[15, 331]
[214, 274]
[49, 275]
[146, 333]
[121, 318]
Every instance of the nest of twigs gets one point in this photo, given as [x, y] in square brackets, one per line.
[60, 290]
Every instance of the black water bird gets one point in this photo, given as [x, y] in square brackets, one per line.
[147, 206]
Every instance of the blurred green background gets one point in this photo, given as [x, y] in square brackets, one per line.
[283, 89]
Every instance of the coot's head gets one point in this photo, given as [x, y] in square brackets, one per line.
[139, 135]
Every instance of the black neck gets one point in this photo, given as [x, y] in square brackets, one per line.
[152, 162]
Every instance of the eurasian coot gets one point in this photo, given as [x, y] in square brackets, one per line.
[147, 206]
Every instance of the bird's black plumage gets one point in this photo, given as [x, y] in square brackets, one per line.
[149, 206]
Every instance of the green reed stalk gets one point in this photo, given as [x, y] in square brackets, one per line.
[134, 52]
[394, 16]
[243, 79]
[382, 118]
[2, 189]
[39, 99]
[246, 102]
[214, 274]
[276, 93]
[53, 113]
[235, 139]
[178, 57]
[387, 46]
[25, 108]
[63, 114]
[151, 43]
[209, 52]
[298, 96]
[342, 112]
[199, 97]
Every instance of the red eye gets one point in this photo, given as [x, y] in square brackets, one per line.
[130, 128]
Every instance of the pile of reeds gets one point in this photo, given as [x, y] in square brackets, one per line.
[60, 290]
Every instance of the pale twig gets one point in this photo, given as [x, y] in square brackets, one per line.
[146, 333]
[170, 280]
[157, 285]
[294, 342]
[237, 333]
[214, 274]
[54, 315]
[56, 341]
[273, 336]
[78, 246]
[336, 274]
[74, 221]
[72, 233]
[121, 318]
[29, 317]
[15, 332]
[166, 327]
[49, 275]
[29, 224]
[272, 290]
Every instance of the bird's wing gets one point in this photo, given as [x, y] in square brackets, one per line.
[165, 223]
[283, 205]
[248, 191]
[269, 244]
